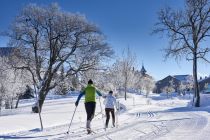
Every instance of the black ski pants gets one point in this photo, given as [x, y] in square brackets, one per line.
[90, 110]
[108, 110]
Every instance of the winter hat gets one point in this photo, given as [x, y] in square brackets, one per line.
[90, 82]
[110, 92]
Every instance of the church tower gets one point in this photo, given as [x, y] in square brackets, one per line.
[143, 71]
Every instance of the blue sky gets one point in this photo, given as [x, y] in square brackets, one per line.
[125, 23]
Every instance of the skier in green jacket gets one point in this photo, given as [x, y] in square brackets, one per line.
[90, 102]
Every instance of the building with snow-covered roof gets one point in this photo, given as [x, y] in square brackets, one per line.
[204, 85]
[176, 80]
[184, 78]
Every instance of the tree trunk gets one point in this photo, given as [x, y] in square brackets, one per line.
[196, 90]
[16, 106]
[7, 105]
[0, 105]
[126, 89]
[11, 103]
[125, 92]
[126, 80]
[38, 105]
[41, 99]
[41, 95]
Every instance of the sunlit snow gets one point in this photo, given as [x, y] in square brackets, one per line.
[155, 117]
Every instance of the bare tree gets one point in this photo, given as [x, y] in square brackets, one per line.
[115, 75]
[28, 93]
[148, 84]
[187, 29]
[127, 70]
[12, 83]
[98, 75]
[169, 89]
[47, 38]
[2, 94]
[63, 85]
[139, 84]
[181, 88]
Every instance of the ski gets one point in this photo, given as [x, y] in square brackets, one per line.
[90, 131]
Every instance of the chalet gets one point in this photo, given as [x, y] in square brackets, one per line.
[176, 80]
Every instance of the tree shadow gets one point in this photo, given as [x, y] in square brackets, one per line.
[16, 137]
[29, 137]
[188, 109]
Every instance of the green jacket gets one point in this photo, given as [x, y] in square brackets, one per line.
[90, 93]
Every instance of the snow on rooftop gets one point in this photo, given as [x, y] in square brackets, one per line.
[182, 77]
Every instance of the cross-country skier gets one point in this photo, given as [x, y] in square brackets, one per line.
[110, 103]
[90, 102]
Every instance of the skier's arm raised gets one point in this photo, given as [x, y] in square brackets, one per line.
[79, 97]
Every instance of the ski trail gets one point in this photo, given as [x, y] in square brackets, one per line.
[135, 124]
[191, 129]
[160, 128]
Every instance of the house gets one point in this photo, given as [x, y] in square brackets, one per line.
[204, 85]
[174, 81]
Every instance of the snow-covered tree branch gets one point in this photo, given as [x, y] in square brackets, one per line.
[187, 29]
[47, 38]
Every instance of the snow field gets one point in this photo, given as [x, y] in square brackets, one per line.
[162, 119]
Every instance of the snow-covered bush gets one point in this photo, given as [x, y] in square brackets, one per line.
[169, 89]
[12, 84]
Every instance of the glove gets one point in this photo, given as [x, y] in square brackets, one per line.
[76, 103]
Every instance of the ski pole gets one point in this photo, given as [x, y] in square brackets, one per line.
[118, 108]
[71, 120]
[101, 111]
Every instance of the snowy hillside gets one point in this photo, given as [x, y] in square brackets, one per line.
[139, 118]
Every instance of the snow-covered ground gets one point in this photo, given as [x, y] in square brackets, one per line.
[139, 118]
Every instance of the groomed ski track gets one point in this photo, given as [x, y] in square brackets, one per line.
[136, 122]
